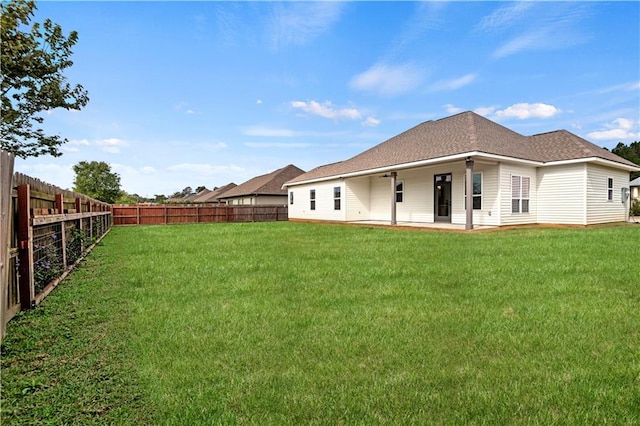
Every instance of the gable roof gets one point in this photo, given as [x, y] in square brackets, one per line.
[462, 133]
[197, 196]
[635, 182]
[269, 184]
[217, 193]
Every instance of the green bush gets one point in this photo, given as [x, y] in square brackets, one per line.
[635, 208]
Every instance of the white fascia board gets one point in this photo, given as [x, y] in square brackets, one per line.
[415, 164]
[598, 160]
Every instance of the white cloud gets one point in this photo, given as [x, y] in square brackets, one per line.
[326, 110]
[300, 22]
[624, 87]
[388, 80]
[278, 145]
[371, 122]
[452, 109]
[61, 175]
[268, 132]
[523, 111]
[212, 146]
[453, 84]
[485, 110]
[202, 169]
[557, 25]
[73, 145]
[618, 129]
[505, 16]
[259, 102]
[111, 145]
[528, 41]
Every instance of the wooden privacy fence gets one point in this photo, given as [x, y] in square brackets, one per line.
[165, 214]
[50, 230]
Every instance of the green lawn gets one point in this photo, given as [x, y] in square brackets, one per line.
[290, 323]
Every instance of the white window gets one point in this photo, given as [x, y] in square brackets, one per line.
[336, 198]
[399, 191]
[520, 194]
[312, 198]
[609, 189]
[477, 191]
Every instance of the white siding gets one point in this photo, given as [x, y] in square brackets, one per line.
[599, 208]
[489, 214]
[301, 208]
[561, 194]
[369, 198]
[417, 202]
[356, 199]
[506, 217]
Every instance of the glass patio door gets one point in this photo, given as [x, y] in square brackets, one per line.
[442, 197]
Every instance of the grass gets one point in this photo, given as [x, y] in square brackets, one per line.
[285, 323]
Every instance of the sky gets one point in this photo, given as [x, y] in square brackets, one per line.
[206, 93]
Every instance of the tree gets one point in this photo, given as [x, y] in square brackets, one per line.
[32, 80]
[96, 180]
[631, 153]
[181, 194]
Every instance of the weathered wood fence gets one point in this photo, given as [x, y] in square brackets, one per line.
[165, 214]
[49, 231]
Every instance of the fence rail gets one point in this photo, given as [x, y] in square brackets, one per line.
[142, 214]
[49, 231]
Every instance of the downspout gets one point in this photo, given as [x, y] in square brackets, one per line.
[469, 179]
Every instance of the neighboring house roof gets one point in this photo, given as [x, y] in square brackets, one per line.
[217, 192]
[196, 197]
[635, 182]
[462, 133]
[269, 184]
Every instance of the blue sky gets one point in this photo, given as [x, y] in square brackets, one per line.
[207, 93]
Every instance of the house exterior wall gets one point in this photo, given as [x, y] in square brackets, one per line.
[301, 207]
[599, 208]
[357, 199]
[562, 195]
[489, 214]
[369, 197]
[250, 200]
[505, 172]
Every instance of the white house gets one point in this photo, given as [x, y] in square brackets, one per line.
[421, 175]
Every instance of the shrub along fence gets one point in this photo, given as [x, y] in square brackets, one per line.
[50, 229]
[165, 214]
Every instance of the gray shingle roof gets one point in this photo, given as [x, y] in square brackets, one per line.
[269, 184]
[459, 134]
[217, 192]
[635, 182]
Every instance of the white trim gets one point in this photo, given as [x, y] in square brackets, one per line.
[599, 160]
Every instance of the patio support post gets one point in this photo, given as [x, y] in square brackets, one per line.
[393, 197]
[469, 197]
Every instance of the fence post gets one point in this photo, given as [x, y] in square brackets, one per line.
[6, 212]
[25, 241]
